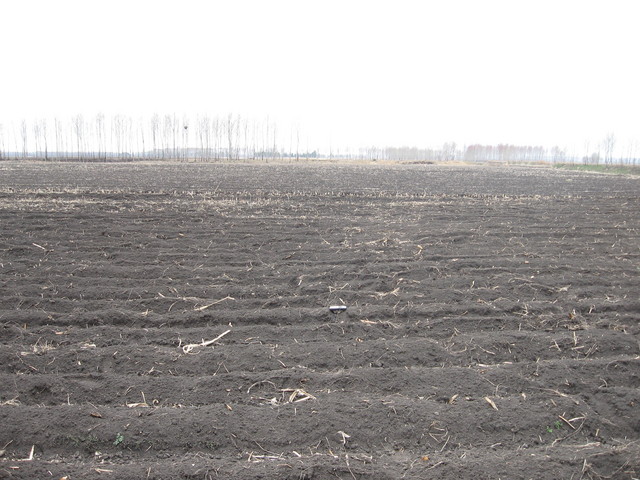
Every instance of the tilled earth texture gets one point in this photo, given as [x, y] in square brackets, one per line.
[172, 321]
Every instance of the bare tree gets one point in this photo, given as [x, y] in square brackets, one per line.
[1, 141]
[449, 151]
[24, 137]
[43, 128]
[100, 137]
[117, 133]
[185, 139]
[246, 138]
[155, 133]
[174, 135]
[202, 136]
[37, 133]
[633, 151]
[275, 144]
[238, 130]
[78, 129]
[57, 125]
[166, 136]
[557, 154]
[142, 150]
[265, 137]
[254, 140]
[230, 128]
[608, 144]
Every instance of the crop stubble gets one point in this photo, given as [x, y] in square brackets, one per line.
[492, 329]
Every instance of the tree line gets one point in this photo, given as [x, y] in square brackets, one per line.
[159, 137]
[232, 137]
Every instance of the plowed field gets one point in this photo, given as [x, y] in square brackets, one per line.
[491, 331]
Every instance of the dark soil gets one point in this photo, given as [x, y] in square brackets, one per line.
[492, 325]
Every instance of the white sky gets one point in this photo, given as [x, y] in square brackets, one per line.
[349, 72]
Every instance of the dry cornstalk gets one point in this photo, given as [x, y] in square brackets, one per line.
[380, 295]
[188, 348]
[344, 437]
[298, 392]
[491, 402]
[204, 307]
[564, 395]
[568, 422]
[140, 404]
[30, 457]
[259, 383]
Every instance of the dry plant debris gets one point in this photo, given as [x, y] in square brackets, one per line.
[482, 310]
[192, 346]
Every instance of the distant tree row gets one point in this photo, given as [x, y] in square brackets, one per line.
[473, 153]
[514, 153]
[121, 137]
[603, 152]
[448, 152]
[232, 137]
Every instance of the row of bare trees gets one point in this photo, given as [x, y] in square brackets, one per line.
[232, 137]
[607, 152]
[514, 153]
[121, 137]
[473, 153]
[603, 152]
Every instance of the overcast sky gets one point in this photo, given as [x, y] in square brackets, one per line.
[349, 72]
